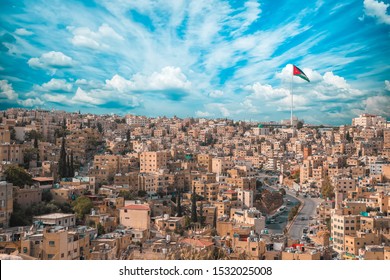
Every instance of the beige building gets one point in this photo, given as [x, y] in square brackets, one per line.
[135, 216]
[6, 203]
[57, 244]
[27, 196]
[57, 219]
[342, 225]
[153, 161]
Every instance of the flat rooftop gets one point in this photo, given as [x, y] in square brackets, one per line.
[54, 216]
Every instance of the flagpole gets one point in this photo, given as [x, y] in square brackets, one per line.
[292, 97]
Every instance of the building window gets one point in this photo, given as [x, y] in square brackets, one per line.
[50, 256]
[51, 243]
[25, 250]
[62, 255]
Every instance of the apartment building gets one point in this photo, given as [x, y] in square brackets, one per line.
[6, 203]
[153, 161]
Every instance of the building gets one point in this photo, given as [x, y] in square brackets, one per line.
[6, 203]
[57, 219]
[153, 161]
[136, 216]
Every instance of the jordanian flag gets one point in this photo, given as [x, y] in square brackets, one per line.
[298, 72]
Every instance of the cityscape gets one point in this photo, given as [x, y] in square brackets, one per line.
[195, 130]
[106, 187]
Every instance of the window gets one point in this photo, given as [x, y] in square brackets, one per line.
[62, 255]
[24, 250]
[50, 256]
[51, 243]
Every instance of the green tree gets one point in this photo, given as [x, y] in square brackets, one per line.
[18, 176]
[12, 134]
[62, 161]
[194, 216]
[201, 218]
[127, 195]
[327, 189]
[299, 124]
[100, 229]
[128, 136]
[282, 191]
[82, 206]
[100, 127]
[178, 205]
[71, 164]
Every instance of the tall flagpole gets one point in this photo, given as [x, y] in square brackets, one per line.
[292, 97]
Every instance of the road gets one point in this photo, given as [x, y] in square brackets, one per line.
[308, 210]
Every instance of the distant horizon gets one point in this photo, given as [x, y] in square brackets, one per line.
[212, 59]
[185, 117]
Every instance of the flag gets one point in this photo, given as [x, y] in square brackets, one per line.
[298, 72]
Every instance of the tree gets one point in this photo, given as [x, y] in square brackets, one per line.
[100, 127]
[282, 191]
[36, 146]
[100, 229]
[194, 217]
[327, 189]
[82, 206]
[71, 164]
[62, 161]
[201, 214]
[128, 135]
[68, 167]
[348, 137]
[299, 124]
[18, 176]
[12, 134]
[178, 205]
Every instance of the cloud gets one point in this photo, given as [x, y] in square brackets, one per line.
[23, 32]
[377, 10]
[387, 85]
[378, 105]
[58, 85]
[216, 93]
[51, 60]
[31, 102]
[334, 80]
[168, 78]
[102, 38]
[10, 96]
[6, 91]
[202, 114]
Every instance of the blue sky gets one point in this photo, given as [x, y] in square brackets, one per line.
[204, 58]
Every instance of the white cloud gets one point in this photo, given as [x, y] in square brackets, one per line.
[203, 114]
[8, 94]
[102, 38]
[378, 10]
[169, 78]
[51, 60]
[56, 98]
[60, 85]
[337, 81]
[377, 105]
[84, 97]
[267, 92]
[31, 102]
[119, 83]
[216, 93]
[7, 91]
[387, 85]
[23, 32]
